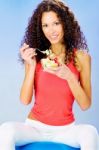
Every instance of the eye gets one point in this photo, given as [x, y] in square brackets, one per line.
[44, 25]
[57, 23]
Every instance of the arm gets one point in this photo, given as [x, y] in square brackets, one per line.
[28, 85]
[82, 90]
[28, 55]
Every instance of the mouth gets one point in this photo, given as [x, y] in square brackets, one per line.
[53, 37]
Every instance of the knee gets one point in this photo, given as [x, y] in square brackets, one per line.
[90, 132]
[7, 131]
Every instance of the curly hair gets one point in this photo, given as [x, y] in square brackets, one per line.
[73, 36]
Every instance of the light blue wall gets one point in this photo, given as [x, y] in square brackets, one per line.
[13, 20]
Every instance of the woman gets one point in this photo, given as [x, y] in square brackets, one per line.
[57, 72]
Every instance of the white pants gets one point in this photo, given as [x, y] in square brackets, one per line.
[15, 133]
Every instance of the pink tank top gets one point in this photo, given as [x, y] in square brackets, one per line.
[53, 98]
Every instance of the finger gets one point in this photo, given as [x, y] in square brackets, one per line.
[49, 70]
[23, 48]
[25, 44]
[30, 54]
[64, 67]
[29, 51]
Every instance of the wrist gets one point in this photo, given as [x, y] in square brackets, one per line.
[31, 67]
[71, 78]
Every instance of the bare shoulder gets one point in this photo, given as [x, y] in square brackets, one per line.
[83, 53]
[82, 59]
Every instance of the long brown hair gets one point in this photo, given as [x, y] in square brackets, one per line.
[73, 36]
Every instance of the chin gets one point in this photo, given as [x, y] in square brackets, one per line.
[55, 42]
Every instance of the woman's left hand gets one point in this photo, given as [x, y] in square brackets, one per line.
[62, 71]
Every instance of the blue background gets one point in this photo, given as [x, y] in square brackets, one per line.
[14, 17]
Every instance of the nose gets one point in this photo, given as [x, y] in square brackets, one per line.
[52, 29]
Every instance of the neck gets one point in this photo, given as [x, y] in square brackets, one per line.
[57, 49]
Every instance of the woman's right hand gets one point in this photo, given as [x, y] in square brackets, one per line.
[28, 54]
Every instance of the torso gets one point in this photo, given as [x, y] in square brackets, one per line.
[31, 114]
[76, 71]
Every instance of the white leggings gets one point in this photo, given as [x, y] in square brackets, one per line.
[15, 133]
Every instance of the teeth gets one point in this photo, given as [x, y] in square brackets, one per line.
[54, 36]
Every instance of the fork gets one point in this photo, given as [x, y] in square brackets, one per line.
[40, 51]
[46, 52]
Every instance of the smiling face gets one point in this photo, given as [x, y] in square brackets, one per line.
[52, 27]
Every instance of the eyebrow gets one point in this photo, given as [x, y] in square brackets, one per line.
[52, 22]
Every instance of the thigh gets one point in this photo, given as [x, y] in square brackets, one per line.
[67, 136]
[21, 132]
[76, 135]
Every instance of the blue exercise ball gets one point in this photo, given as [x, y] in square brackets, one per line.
[46, 146]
